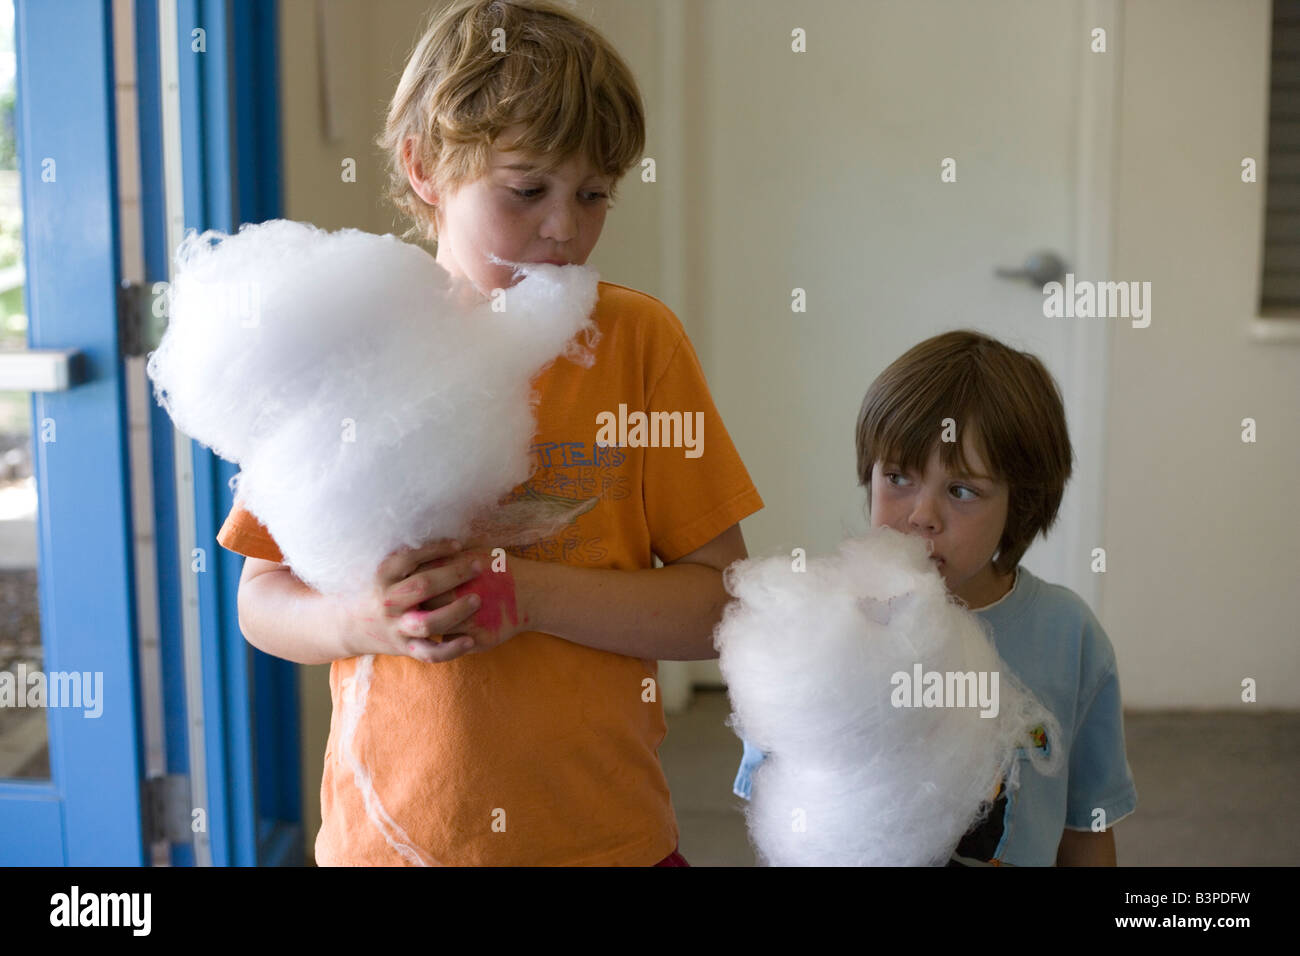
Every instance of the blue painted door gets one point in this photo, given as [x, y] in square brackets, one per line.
[228, 130]
[208, 122]
[80, 805]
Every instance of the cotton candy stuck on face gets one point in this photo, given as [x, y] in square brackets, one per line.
[867, 764]
[371, 401]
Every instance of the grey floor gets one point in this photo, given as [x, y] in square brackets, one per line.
[1214, 789]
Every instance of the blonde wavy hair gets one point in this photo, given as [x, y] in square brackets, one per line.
[482, 66]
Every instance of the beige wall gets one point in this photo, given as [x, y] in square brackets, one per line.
[1200, 528]
[373, 41]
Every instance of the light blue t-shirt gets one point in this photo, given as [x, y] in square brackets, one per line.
[1052, 641]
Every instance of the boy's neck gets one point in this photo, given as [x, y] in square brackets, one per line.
[986, 587]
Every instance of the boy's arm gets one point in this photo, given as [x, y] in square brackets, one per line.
[278, 614]
[285, 618]
[722, 551]
[663, 613]
[1086, 848]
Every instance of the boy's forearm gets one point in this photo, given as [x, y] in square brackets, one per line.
[285, 618]
[1085, 848]
[662, 614]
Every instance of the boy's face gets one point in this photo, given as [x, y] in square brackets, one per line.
[961, 516]
[518, 214]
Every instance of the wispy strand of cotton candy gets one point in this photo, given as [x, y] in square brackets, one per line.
[809, 657]
[371, 401]
[355, 691]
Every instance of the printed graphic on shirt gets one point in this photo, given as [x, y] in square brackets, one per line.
[1039, 736]
[571, 472]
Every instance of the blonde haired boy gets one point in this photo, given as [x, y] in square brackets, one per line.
[529, 733]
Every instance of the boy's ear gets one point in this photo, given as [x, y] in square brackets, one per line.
[416, 175]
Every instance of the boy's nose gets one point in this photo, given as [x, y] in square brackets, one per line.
[924, 516]
[561, 224]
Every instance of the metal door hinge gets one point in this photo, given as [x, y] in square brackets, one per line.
[141, 316]
[165, 808]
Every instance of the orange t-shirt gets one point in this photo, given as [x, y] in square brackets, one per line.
[543, 751]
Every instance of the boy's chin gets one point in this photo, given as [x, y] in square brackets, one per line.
[949, 578]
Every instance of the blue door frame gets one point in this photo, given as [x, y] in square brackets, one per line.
[230, 150]
[88, 813]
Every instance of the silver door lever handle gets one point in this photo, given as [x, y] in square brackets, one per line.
[38, 370]
[1039, 269]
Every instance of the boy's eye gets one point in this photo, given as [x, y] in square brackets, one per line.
[534, 191]
[891, 475]
[973, 493]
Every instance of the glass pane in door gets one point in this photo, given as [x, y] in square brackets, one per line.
[24, 732]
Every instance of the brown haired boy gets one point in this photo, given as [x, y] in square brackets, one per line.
[963, 441]
[529, 735]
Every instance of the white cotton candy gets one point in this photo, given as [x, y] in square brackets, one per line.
[371, 401]
[810, 658]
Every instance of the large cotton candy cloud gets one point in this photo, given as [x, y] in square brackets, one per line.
[811, 659]
[370, 401]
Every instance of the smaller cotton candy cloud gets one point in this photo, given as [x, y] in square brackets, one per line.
[812, 660]
[371, 401]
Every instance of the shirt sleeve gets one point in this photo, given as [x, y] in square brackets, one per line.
[1100, 777]
[244, 534]
[694, 492]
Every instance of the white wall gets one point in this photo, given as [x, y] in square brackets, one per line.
[1200, 590]
[1200, 529]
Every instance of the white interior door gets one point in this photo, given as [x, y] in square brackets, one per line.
[821, 170]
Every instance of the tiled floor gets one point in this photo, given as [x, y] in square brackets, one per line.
[1214, 789]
